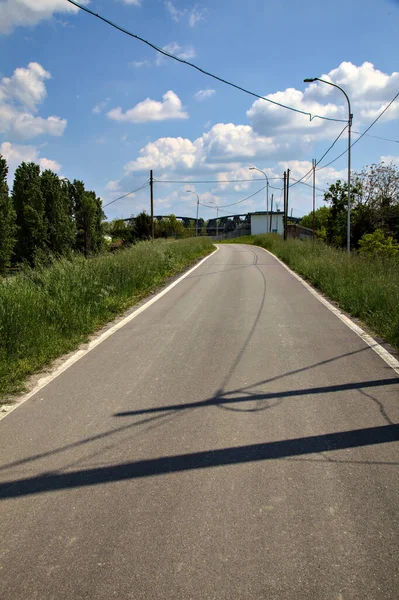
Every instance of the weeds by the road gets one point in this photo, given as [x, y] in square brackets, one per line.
[366, 287]
[46, 312]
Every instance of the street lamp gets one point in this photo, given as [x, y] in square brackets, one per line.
[350, 118]
[267, 193]
[196, 225]
[217, 216]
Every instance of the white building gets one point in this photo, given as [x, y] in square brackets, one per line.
[259, 223]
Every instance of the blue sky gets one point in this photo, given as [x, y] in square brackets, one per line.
[93, 104]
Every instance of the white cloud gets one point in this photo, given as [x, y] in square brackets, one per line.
[26, 86]
[151, 110]
[133, 2]
[193, 15]
[19, 96]
[17, 153]
[369, 90]
[224, 143]
[113, 186]
[181, 52]
[47, 163]
[196, 15]
[203, 94]
[98, 108]
[137, 64]
[390, 159]
[14, 13]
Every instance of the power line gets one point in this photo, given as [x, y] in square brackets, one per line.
[190, 64]
[325, 154]
[128, 194]
[247, 198]
[308, 184]
[212, 180]
[363, 134]
[377, 137]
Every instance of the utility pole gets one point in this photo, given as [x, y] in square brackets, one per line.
[152, 203]
[287, 189]
[285, 207]
[217, 220]
[271, 213]
[314, 197]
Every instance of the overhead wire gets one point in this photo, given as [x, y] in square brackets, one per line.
[125, 195]
[363, 134]
[212, 180]
[192, 65]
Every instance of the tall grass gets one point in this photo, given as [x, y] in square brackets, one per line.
[48, 311]
[364, 286]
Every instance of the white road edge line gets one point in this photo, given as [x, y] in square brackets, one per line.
[94, 343]
[370, 341]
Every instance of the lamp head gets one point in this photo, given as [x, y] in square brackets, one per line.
[310, 80]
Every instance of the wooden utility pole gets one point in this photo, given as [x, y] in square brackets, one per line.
[152, 203]
[287, 189]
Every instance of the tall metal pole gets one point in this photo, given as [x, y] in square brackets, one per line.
[196, 225]
[348, 235]
[350, 118]
[284, 209]
[217, 220]
[152, 203]
[314, 197]
[286, 199]
[271, 214]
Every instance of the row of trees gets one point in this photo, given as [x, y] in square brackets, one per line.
[374, 208]
[46, 215]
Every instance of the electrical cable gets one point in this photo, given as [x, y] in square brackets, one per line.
[363, 134]
[320, 159]
[212, 180]
[377, 137]
[190, 64]
[128, 194]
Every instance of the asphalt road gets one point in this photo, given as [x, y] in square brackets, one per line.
[235, 440]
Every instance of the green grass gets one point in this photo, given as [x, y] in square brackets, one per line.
[364, 286]
[48, 311]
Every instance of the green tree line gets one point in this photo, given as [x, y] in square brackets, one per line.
[46, 215]
[374, 211]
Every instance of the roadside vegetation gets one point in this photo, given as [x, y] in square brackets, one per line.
[48, 310]
[366, 285]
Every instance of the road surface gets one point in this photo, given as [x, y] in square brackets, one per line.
[235, 440]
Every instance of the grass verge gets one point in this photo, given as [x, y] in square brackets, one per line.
[47, 312]
[365, 287]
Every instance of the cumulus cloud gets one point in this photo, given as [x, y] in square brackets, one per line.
[17, 153]
[369, 90]
[203, 94]
[224, 143]
[14, 13]
[133, 2]
[20, 95]
[151, 110]
[193, 15]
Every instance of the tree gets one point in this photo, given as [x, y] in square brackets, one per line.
[379, 244]
[379, 198]
[89, 216]
[60, 225]
[142, 226]
[336, 225]
[7, 219]
[30, 212]
[321, 216]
